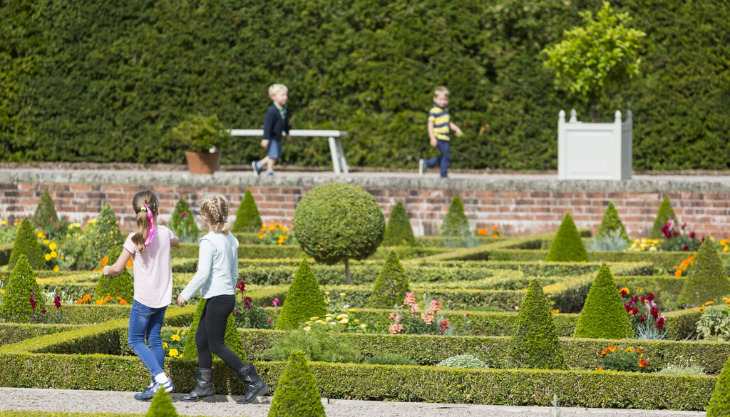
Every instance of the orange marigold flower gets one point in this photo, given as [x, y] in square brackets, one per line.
[602, 353]
[79, 301]
[123, 302]
[482, 232]
[611, 348]
[556, 311]
[629, 349]
[701, 308]
[709, 303]
[625, 291]
[600, 368]
[643, 363]
[678, 273]
[639, 351]
[87, 297]
[104, 260]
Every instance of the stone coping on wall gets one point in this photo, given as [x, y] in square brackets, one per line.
[716, 184]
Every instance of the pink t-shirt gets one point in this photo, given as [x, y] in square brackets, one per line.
[153, 269]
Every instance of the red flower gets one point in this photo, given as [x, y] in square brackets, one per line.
[443, 325]
[43, 311]
[32, 302]
[643, 299]
[660, 323]
[241, 286]
[650, 296]
[467, 314]
[247, 302]
[643, 363]
[57, 301]
[654, 311]
[642, 318]
[183, 214]
[692, 235]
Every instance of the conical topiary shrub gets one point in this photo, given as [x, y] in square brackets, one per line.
[232, 338]
[296, 393]
[398, 230]
[303, 300]
[45, 213]
[15, 304]
[102, 236]
[664, 214]
[567, 245]
[162, 405]
[120, 285]
[707, 279]
[535, 341]
[247, 215]
[603, 315]
[719, 405]
[391, 285]
[611, 224]
[26, 243]
[182, 222]
[455, 228]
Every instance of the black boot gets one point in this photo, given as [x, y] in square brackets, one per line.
[204, 389]
[253, 383]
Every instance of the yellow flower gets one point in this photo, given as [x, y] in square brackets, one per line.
[40, 234]
[184, 332]
[652, 249]
[629, 349]
[314, 318]
[174, 353]
[556, 311]
[164, 345]
[3, 223]
[342, 294]
[46, 242]
[326, 293]
[328, 319]
[52, 246]
[55, 268]
[175, 338]
[351, 310]
[307, 329]
[54, 254]
[357, 320]
[362, 326]
[48, 257]
[2, 291]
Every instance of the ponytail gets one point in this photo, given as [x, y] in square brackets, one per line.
[145, 206]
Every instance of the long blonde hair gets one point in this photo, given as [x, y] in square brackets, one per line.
[215, 210]
[139, 201]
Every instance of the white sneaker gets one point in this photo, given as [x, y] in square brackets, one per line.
[256, 169]
[421, 167]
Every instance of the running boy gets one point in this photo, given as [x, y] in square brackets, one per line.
[276, 123]
[439, 123]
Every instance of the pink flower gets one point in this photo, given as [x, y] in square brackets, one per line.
[443, 325]
[435, 305]
[395, 328]
[269, 319]
[183, 214]
[410, 299]
[275, 302]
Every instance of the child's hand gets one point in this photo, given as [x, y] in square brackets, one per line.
[180, 301]
[288, 138]
[107, 270]
[459, 132]
[433, 142]
[265, 143]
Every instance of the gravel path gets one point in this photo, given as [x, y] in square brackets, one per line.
[115, 401]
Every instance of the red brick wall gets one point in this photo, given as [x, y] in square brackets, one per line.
[516, 212]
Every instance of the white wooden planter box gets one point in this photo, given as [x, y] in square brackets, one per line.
[594, 151]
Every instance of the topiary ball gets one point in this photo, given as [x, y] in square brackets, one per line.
[535, 342]
[247, 215]
[296, 393]
[337, 222]
[398, 231]
[15, 304]
[611, 224]
[664, 214]
[45, 213]
[567, 245]
[391, 285]
[26, 244]
[303, 300]
[603, 315]
[707, 279]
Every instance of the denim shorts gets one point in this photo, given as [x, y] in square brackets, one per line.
[275, 148]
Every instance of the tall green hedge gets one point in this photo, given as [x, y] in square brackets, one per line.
[81, 77]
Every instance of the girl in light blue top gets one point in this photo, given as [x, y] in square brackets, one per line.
[216, 280]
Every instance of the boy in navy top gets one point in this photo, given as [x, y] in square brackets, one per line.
[439, 124]
[276, 123]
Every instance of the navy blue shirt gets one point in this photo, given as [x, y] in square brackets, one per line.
[275, 124]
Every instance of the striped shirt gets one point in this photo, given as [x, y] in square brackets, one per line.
[440, 118]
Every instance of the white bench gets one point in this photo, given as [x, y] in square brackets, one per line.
[338, 155]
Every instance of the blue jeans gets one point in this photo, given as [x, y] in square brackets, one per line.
[444, 160]
[146, 323]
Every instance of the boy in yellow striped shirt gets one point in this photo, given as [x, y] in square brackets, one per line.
[439, 124]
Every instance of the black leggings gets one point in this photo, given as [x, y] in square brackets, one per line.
[209, 338]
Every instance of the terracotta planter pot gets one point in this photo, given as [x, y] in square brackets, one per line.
[202, 162]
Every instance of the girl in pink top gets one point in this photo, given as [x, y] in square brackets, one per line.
[150, 247]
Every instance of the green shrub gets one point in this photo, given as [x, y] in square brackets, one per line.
[303, 300]
[603, 315]
[247, 215]
[338, 222]
[391, 285]
[693, 370]
[714, 324]
[319, 344]
[664, 214]
[101, 237]
[707, 279]
[45, 213]
[26, 244]
[567, 245]
[182, 222]
[296, 393]
[120, 285]
[611, 224]
[455, 228]
[232, 338]
[162, 405]
[719, 405]
[535, 341]
[612, 242]
[463, 361]
[391, 359]
[398, 231]
[16, 305]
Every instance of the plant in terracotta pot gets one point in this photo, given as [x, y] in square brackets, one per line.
[202, 137]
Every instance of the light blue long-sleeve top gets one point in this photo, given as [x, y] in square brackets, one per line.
[217, 267]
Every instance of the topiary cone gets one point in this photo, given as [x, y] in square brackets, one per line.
[182, 222]
[391, 285]
[455, 223]
[102, 237]
[120, 285]
[664, 214]
[45, 213]
[567, 245]
[535, 341]
[603, 315]
[611, 223]
[398, 230]
[15, 303]
[707, 279]
[719, 405]
[296, 393]
[303, 300]
[232, 338]
[162, 405]
[247, 215]
[26, 244]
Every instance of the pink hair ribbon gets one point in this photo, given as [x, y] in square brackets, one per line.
[151, 230]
